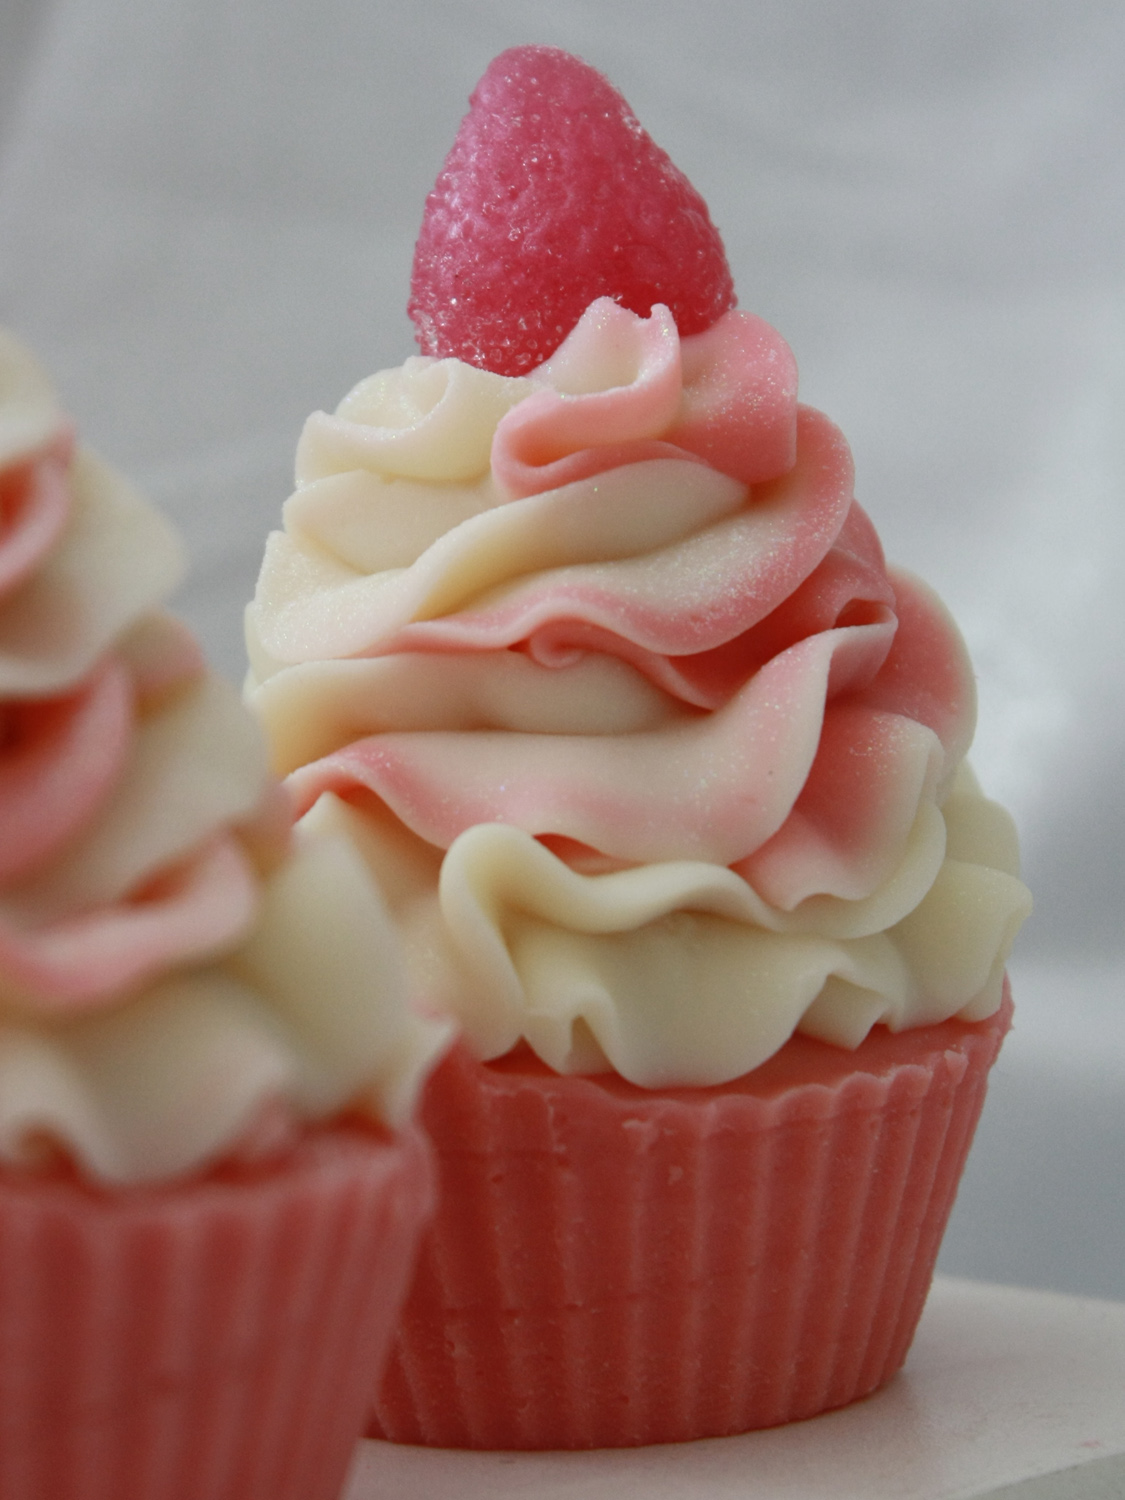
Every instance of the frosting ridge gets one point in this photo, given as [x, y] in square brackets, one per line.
[147, 879]
[654, 756]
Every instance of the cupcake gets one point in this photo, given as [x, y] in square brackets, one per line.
[210, 1188]
[576, 626]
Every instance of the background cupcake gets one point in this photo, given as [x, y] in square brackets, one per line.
[209, 1189]
[657, 764]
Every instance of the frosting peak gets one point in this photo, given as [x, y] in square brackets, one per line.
[655, 758]
[146, 876]
[624, 388]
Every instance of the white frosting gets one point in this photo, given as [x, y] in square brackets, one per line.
[176, 985]
[654, 760]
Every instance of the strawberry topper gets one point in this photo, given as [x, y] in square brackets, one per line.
[552, 196]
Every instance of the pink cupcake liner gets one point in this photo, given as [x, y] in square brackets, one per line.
[211, 1340]
[611, 1267]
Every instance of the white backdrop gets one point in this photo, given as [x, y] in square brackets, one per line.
[207, 211]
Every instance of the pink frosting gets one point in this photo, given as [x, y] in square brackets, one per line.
[184, 977]
[34, 502]
[817, 694]
[67, 752]
[189, 914]
[62, 757]
[726, 397]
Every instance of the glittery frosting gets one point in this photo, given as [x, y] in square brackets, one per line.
[654, 758]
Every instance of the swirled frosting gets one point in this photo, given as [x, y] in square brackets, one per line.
[176, 983]
[653, 756]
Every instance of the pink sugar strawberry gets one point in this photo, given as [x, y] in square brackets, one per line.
[554, 195]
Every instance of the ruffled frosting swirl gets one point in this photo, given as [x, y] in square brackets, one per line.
[653, 756]
[146, 882]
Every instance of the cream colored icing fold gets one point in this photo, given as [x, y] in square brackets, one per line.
[654, 758]
[172, 975]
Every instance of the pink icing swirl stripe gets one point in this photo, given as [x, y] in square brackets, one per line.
[663, 609]
[185, 915]
[59, 759]
[816, 753]
[818, 701]
[728, 400]
[34, 504]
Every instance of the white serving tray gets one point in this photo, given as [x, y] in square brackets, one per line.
[1007, 1394]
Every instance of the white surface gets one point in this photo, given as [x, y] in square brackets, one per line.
[1005, 1393]
[207, 211]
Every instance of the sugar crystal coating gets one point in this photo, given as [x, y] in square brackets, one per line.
[554, 195]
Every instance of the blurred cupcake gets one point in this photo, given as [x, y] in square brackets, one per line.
[207, 1068]
[661, 771]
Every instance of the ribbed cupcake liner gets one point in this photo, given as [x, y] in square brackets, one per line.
[610, 1267]
[212, 1340]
